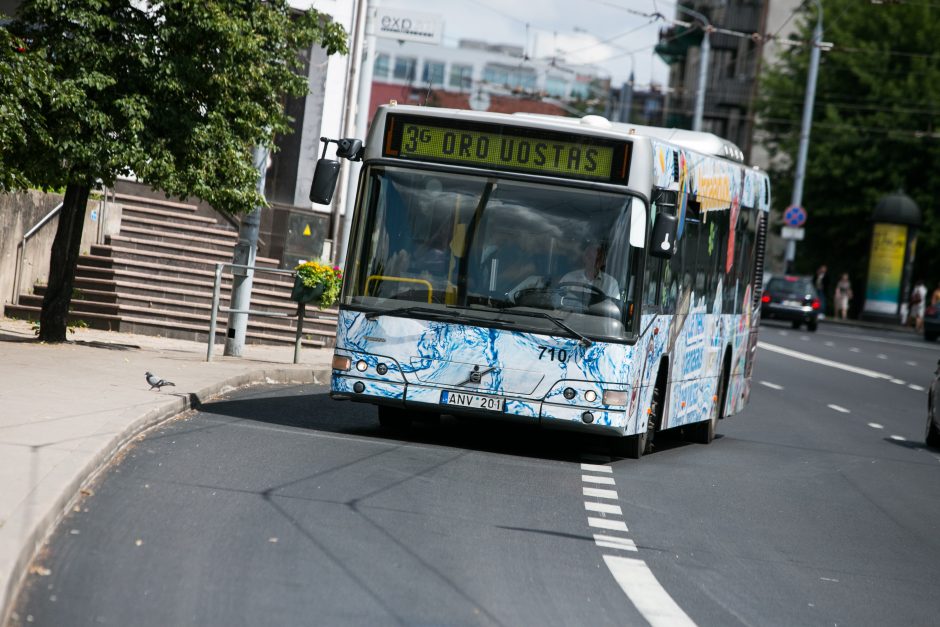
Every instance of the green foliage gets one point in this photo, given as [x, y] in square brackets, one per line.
[874, 128]
[315, 274]
[72, 325]
[177, 92]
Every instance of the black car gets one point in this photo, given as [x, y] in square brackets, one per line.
[932, 323]
[791, 298]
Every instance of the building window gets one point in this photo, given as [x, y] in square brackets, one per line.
[461, 76]
[433, 73]
[556, 87]
[404, 68]
[495, 75]
[381, 66]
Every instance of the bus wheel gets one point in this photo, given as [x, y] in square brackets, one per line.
[394, 418]
[633, 446]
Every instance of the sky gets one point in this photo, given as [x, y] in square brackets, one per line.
[607, 33]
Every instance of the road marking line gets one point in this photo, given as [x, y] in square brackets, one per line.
[915, 387]
[600, 494]
[596, 468]
[898, 438]
[613, 542]
[824, 362]
[772, 386]
[830, 344]
[875, 425]
[646, 593]
[805, 338]
[911, 363]
[882, 356]
[838, 408]
[897, 381]
[601, 480]
[604, 508]
[604, 523]
[854, 350]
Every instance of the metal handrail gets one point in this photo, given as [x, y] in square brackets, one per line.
[217, 297]
[21, 250]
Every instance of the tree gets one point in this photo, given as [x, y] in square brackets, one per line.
[875, 128]
[177, 92]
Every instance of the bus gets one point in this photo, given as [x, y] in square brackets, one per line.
[568, 272]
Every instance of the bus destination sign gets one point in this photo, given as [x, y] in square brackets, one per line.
[517, 149]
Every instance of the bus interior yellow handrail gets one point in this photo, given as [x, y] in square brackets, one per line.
[400, 279]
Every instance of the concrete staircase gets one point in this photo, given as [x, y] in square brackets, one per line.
[155, 277]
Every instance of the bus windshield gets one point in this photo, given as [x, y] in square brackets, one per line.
[508, 253]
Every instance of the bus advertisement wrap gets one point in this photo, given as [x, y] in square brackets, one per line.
[885, 267]
[507, 148]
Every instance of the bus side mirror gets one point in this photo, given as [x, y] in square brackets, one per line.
[663, 240]
[324, 181]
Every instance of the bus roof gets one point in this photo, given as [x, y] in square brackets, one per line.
[700, 142]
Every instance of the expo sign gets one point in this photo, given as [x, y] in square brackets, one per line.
[408, 26]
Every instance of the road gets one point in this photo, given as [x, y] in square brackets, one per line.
[818, 505]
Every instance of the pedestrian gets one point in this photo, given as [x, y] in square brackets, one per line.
[843, 295]
[821, 282]
[935, 297]
[918, 304]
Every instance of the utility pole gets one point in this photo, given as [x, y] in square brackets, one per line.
[702, 67]
[362, 120]
[348, 126]
[808, 103]
[245, 252]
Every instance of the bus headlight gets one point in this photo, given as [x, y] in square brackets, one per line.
[615, 397]
[590, 396]
[361, 365]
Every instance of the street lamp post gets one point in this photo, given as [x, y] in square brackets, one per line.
[702, 68]
[808, 103]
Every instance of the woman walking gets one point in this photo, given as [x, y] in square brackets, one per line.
[843, 296]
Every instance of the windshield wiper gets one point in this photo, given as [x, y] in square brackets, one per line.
[458, 315]
[582, 340]
[372, 315]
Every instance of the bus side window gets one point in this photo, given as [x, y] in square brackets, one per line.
[652, 282]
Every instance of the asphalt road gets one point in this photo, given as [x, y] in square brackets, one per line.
[816, 506]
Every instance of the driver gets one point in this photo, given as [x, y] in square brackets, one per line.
[591, 272]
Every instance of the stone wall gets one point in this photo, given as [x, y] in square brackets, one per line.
[19, 212]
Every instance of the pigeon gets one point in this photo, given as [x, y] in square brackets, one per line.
[157, 382]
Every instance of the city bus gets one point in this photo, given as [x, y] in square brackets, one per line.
[567, 272]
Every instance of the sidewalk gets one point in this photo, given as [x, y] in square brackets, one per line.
[65, 409]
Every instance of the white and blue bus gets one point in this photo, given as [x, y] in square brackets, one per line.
[573, 273]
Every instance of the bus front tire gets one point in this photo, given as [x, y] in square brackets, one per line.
[633, 446]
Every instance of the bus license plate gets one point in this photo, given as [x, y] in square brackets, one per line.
[476, 401]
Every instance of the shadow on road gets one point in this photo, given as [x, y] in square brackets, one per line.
[310, 407]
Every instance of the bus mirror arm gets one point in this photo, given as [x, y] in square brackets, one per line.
[663, 240]
[327, 171]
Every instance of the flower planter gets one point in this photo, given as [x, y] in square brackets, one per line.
[304, 294]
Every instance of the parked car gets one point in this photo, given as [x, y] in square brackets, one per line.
[933, 411]
[932, 323]
[791, 298]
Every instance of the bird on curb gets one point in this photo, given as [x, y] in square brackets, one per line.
[157, 382]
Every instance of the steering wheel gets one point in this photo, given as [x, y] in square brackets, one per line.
[576, 290]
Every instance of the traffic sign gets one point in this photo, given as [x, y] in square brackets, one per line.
[794, 216]
[792, 232]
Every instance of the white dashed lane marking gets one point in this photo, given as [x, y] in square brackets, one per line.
[875, 425]
[854, 350]
[632, 575]
[598, 493]
[646, 593]
[600, 480]
[882, 356]
[772, 386]
[898, 438]
[603, 508]
[917, 388]
[838, 408]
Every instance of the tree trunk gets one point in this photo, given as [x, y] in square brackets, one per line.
[53, 321]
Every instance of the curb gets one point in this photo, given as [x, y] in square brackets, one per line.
[46, 523]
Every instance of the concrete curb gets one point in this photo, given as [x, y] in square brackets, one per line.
[87, 469]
